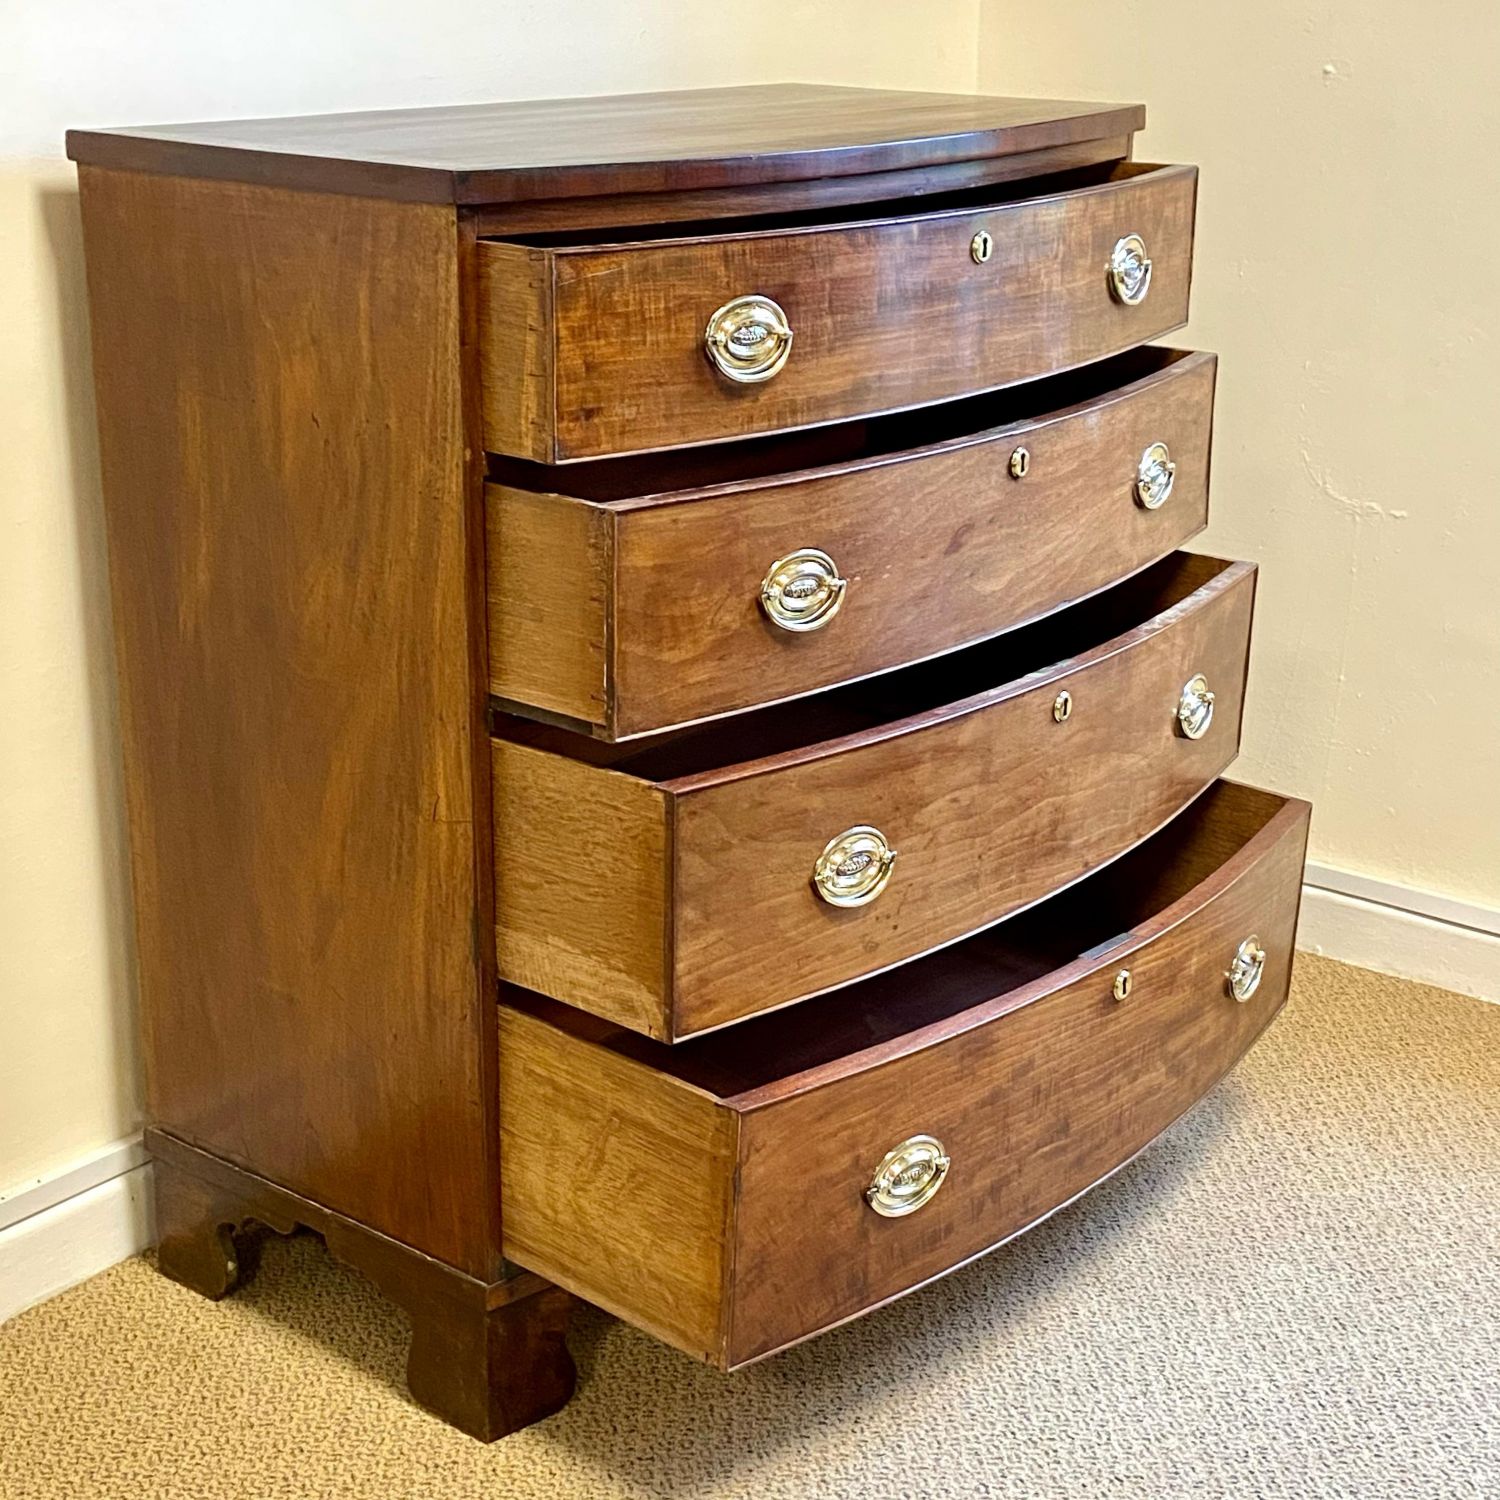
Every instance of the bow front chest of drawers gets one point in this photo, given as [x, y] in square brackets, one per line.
[672, 749]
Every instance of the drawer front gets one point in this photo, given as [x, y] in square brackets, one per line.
[936, 547]
[601, 349]
[715, 1193]
[988, 811]
[1031, 1109]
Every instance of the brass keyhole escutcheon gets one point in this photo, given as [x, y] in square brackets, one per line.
[981, 247]
[1020, 463]
[1124, 983]
[1062, 706]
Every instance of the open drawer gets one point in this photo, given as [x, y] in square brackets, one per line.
[740, 1192]
[590, 348]
[632, 595]
[678, 884]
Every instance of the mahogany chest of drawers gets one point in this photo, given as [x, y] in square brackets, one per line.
[672, 749]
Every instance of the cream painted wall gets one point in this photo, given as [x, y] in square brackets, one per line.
[1344, 271]
[1347, 231]
[68, 1064]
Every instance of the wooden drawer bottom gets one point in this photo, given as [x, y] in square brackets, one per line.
[716, 1193]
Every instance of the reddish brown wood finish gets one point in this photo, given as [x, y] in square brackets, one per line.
[489, 1358]
[1015, 1055]
[297, 381]
[630, 143]
[751, 201]
[1034, 1109]
[625, 890]
[625, 324]
[990, 808]
[630, 615]
[286, 477]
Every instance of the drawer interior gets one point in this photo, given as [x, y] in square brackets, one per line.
[635, 476]
[962, 200]
[1084, 921]
[972, 673]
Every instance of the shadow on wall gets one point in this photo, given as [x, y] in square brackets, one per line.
[63, 225]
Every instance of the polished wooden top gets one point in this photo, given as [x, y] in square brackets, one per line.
[627, 143]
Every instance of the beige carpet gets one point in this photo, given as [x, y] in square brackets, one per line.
[1293, 1295]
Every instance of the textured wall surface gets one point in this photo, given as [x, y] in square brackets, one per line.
[68, 1063]
[1345, 270]
[1347, 221]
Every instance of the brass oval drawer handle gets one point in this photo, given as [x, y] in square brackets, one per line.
[1245, 972]
[748, 340]
[1129, 270]
[855, 867]
[1195, 708]
[803, 590]
[1155, 476]
[909, 1176]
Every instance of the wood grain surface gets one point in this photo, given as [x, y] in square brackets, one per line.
[551, 563]
[1037, 1081]
[518, 352]
[748, 201]
[488, 1357]
[640, 1215]
[626, 143]
[1033, 1109]
[632, 614]
[583, 856]
[627, 321]
[629, 871]
[284, 458]
[990, 808]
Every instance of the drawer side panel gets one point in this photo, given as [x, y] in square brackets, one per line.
[517, 350]
[617, 1182]
[548, 585]
[580, 885]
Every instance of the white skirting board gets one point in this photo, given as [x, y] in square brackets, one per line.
[78, 1222]
[1397, 929]
[67, 1227]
